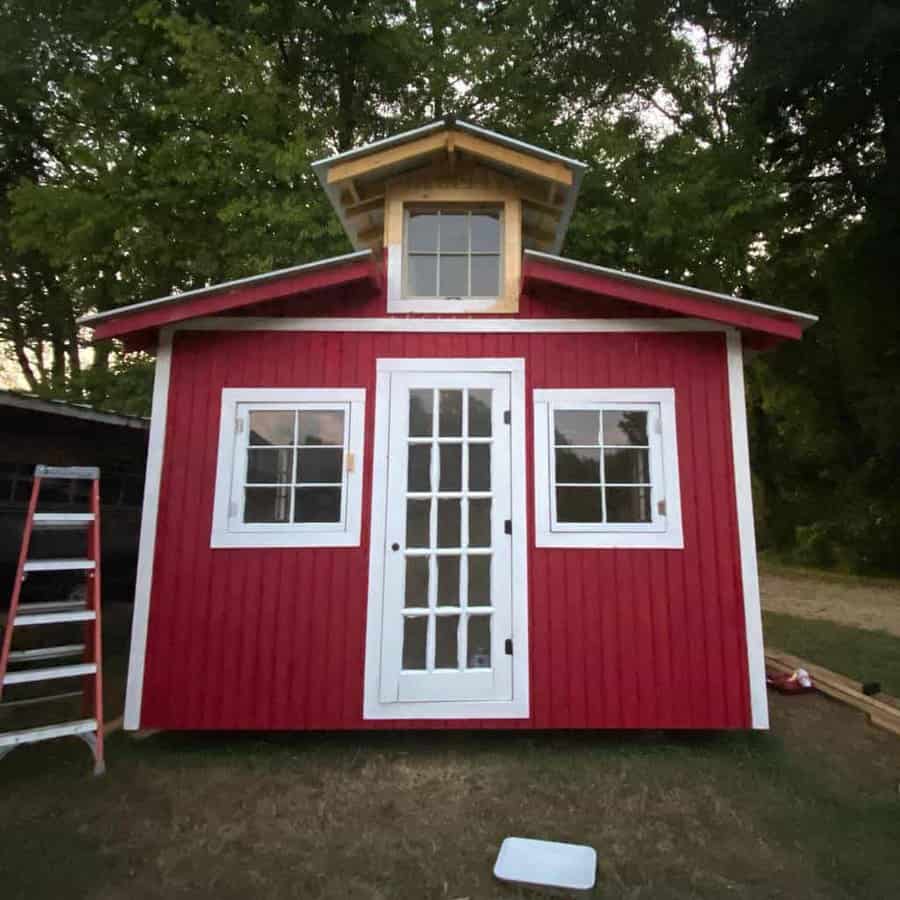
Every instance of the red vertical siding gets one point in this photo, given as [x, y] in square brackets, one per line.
[244, 638]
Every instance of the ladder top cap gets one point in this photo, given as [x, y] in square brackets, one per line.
[90, 473]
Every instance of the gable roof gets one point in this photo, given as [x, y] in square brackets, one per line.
[354, 180]
[751, 315]
[216, 298]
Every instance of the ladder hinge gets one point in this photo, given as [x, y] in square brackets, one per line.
[507, 417]
[507, 526]
[508, 646]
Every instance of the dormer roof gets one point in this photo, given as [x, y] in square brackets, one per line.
[355, 181]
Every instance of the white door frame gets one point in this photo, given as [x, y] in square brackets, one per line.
[518, 706]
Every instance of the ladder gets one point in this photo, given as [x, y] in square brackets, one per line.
[85, 612]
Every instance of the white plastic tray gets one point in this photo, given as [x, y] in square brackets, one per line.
[547, 864]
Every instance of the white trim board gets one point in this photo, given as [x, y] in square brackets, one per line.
[519, 707]
[756, 663]
[437, 325]
[147, 546]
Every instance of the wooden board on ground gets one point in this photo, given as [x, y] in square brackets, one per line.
[883, 710]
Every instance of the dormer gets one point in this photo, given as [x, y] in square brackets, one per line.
[452, 206]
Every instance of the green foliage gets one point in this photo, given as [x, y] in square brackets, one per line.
[154, 145]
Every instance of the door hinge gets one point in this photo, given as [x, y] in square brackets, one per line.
[238, 425]
[232, 509]
[508, 646]
[657, 424]
[507, 526]
[507, 418]
[661, 507]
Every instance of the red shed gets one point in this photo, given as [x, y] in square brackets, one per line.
[451, 479]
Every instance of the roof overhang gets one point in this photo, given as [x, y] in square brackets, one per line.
[151, 315]
[354, 180]
[767, 323]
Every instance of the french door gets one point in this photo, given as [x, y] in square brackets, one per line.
[446, 596]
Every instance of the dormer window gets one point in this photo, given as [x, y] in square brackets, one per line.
[452, 252]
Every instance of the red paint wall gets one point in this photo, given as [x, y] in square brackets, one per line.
[275, 639]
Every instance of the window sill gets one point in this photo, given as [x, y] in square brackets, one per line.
[612, 540]
[237, 540]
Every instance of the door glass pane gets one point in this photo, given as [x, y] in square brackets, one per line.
[417, 516]
[451, 467]
[454, 232]
[624, 428]
[479, 467]
[448, 581]
[421, 405]
[579, 504]
[316, 464]
[485, 231]
[419, 467]
[448, 523]
[454, 276]
[415, 638]
[627, 466]
[576, 427]
[422, 230]
[479, 580]
[478, 650]
[325, 427]
[267, 504]
[485, 276]
[446, 651]
[450, 414]
[479, 412]
[271, 428]
[317, 504]
[421, 275]
[628, 504]
[269, 466]
[480, 523]
[416, 591]
[580, 465]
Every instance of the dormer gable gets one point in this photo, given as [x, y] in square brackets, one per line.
[452, 206]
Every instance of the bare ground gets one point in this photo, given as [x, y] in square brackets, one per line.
[871, 603]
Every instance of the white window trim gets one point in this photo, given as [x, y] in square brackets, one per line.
[340, 534]
[666, 529]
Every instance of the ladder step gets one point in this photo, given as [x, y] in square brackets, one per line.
[84, 615]
[62, 520]
[60, 652]
[47, 732]
[30, 701]
[90, 473]
[49, 674]
[52, 606]
[59, 565]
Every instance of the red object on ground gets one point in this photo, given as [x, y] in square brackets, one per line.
[797, 682]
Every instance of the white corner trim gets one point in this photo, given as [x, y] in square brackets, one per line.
[519, 707]
[666, 532]
[438, 325]
[756, 662]
[346, 533]
[147, 546]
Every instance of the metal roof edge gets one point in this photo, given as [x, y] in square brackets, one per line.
[809, 318]
[74, 410]
[92, 318]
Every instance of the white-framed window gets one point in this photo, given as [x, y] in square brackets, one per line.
[606, 468]
[452, 252]
[289, 468]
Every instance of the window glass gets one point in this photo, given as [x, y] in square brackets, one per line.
[452, 252]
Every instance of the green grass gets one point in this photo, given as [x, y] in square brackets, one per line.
[855, 652]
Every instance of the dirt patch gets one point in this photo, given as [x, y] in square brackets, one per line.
[861, 602]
